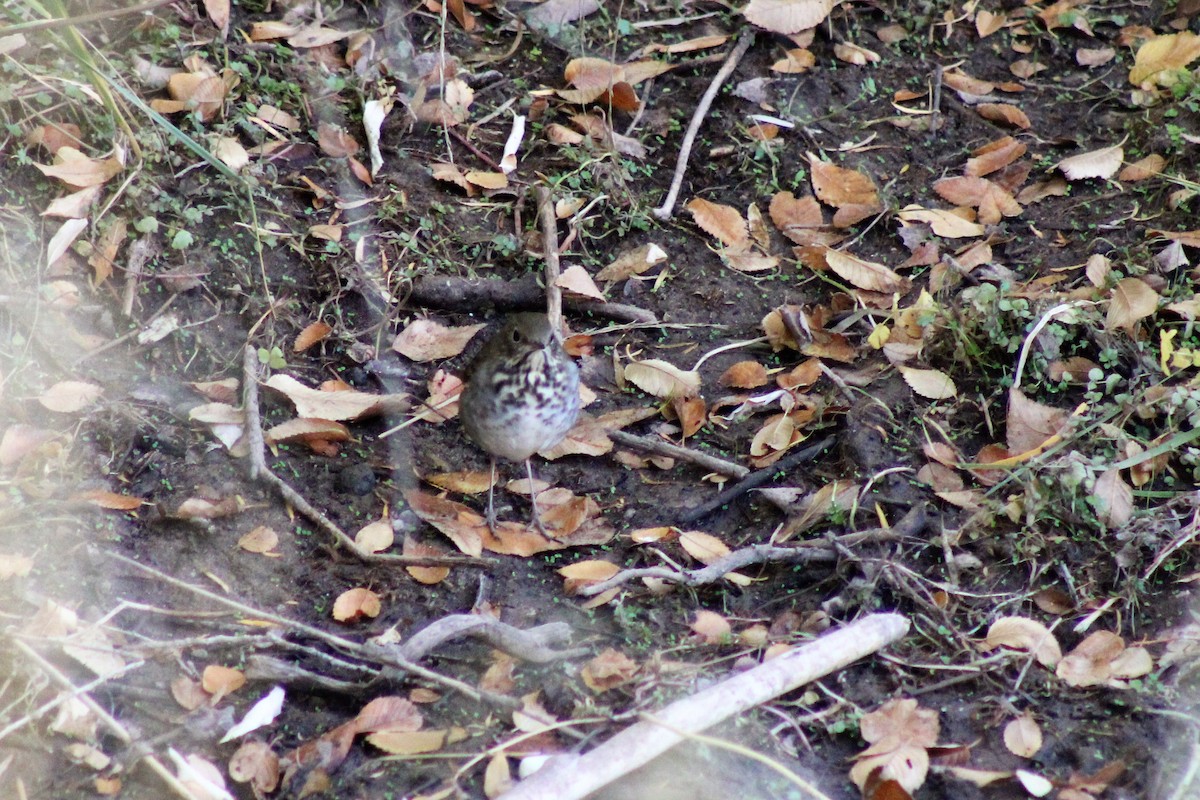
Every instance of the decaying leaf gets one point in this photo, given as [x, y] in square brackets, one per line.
[662, 379]
[1102, 164]
[1022, 633]
[788, 16]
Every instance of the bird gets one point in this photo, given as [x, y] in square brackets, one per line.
[521, 396]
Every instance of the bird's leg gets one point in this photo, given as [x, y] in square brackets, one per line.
[533, 493]
[491, 510]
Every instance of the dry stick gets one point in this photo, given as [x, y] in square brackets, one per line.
[755, 479]
[664, 211]
[379, 654]
[111, 723]
[259, 471]
[816, 551]
[572, 777]
[660, 448]
[466, 294]
[549, 224]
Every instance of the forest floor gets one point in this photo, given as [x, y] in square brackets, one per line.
[926, 281]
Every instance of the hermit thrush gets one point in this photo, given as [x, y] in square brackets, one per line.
[522, 395]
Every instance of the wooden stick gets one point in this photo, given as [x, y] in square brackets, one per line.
[660, 448]
[664, 211]
[573, 777]
[549, 224]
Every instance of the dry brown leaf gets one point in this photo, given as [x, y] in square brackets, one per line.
[67, 397]
[865, 274]
[724, 223]
[77, 170]
[632, 262]
[788, 16]
[965, 84]
[411, 743]
[796, 61]
[1159, 60]
[312, 334]
[607, 670]
[427, 340]
[944, 223]
[429, 576]
[662, 379]
[987, 23]
[841, 187]
[1132, 301]
[261, 540]
[932, 384]
[1027, 635]
[255, 763]
[744, 375]
[1023, 736]
[1102, 164]
[375, 537]
[1030, 424]
[711, 627]
[855, 54]
[334, 405]
[1142, 169]
[993, 156]
[1090, 663]
[1005, 114]
[1114, 499]
[575, 280]
[354, 604]
[1094, 57]
[991, 200]
[220, 681]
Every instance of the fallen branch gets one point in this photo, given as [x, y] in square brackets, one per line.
[756, 479]
[804, 553]
[260, 472]
[386, 656]
[664, 211]
[660, 448]
[571, 777]
[523, 294]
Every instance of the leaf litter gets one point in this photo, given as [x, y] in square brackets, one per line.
[827, 277]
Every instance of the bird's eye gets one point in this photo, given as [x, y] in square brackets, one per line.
[516, 335]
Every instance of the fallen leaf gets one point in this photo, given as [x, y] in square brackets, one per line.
[662, 379]
[787, 16]
[67, 397]
[1132, 300]
[1023, 736]
[932, 384]
[354, 604]
[427, 340]
[1022, 633]
[722, 222]
[1102, 164]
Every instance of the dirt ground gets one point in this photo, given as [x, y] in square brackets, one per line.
[1024, 540]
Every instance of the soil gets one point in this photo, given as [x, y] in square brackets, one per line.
[952, 580]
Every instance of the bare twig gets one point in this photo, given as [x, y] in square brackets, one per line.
[549, 223]
[466, 294]
[806, 553]
[660, 448]
[110, 722]
[756, 479]
[664, 211]
[384, 656]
